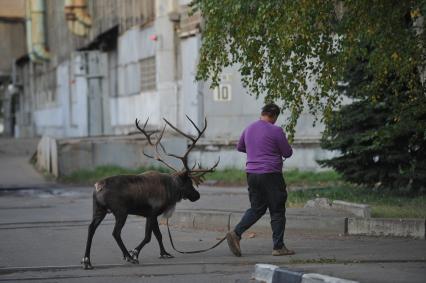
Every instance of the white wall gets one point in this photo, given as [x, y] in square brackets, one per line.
[125, 109]
[190, 101]
[50, 120]
[165, 58]
[131, 103]
[77, 125]
[133, 46]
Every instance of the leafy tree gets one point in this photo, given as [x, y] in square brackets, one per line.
[280, 45]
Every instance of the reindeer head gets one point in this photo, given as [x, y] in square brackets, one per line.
[187, 188]
[187, 176]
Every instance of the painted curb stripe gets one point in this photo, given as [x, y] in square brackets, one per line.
[273, 274]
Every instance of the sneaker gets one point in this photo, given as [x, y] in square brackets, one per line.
[282, 251]
[233, 243]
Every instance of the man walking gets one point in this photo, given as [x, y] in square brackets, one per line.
[265, 145]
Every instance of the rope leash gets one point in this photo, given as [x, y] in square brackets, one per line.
[191, 252]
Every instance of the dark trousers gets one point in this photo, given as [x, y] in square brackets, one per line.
[266, 191]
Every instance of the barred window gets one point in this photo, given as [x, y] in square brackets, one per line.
[148, 74]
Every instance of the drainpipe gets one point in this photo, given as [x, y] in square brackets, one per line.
[28, 27]
[38, 37]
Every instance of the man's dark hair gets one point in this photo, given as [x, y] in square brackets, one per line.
[271, 109]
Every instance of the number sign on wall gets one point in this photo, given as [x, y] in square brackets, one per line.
[222, 93]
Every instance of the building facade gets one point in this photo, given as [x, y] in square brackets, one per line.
[92, 67]
[12, 45]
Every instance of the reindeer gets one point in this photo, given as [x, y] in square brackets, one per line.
[149, 194]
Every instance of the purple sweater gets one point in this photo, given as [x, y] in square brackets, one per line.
[265, 145]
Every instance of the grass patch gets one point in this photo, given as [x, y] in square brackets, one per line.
[307, 178]
[230, 177]
[382, 203]
[226, 177]
[292, 178]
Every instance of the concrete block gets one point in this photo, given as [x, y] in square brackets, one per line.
[264, 272]
[200, 220]
[329, 223]
[43, 153]
[359, 210]
[88, 153]
[73, 156]
[263, 225]
[273, 274]
[54, 168]
[211, 220]
[319, 278]
[287, 276]
[181, 218]
[318, 203]
[387, 227]
[47, 155]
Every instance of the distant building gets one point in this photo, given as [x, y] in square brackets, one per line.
[92, 67]
[12, 45]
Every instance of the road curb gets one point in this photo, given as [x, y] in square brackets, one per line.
[224, 221]
[273, 274]
[357, 209]
[414, 228]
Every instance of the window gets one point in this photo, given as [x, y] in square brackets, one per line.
[148, 74]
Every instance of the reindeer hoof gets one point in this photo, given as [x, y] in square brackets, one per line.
[166, 255]
[131, 259]
[86, 263]
[134, 254]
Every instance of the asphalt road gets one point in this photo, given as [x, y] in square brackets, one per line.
[43, 236]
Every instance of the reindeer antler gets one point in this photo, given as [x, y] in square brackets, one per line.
[184, 158]
[197, 175]
[156, 144]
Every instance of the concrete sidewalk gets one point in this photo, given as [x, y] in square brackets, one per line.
[15, 168]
